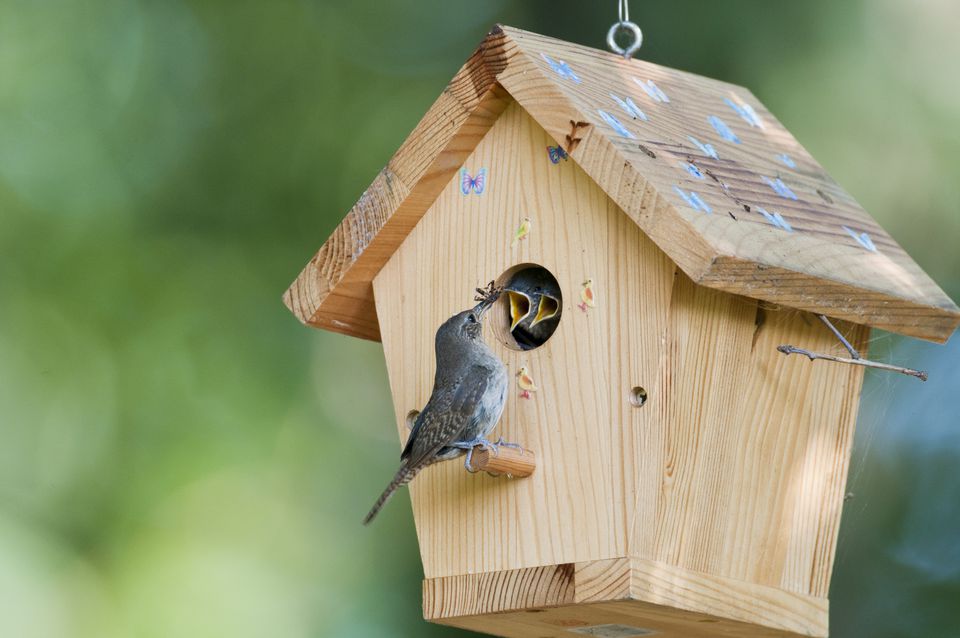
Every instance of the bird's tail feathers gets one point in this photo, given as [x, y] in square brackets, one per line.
[403, 476]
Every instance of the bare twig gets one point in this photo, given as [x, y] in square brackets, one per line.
[846, 344]
[788, 350]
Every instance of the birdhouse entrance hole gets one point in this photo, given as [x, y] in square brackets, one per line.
[530, 308]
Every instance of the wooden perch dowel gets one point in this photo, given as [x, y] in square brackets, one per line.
[511, 461]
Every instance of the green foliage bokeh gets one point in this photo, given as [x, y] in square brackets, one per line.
[179, 457]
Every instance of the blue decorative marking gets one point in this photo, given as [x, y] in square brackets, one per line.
[780, 188]
[706, 149]
[863, 239]
[787, 160]
[631, 108]
[693, 200]
[723, 130]
[776, 219]
[616, 125]
[556, 153]
[476, 183]
[692, 169]
[746, 112]
[651, 89]
[562, 68]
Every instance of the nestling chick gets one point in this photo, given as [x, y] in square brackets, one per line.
[535, 306]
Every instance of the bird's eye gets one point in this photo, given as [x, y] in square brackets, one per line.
[472, 319]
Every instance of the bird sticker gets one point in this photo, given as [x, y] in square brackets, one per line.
[535, 306]
[587, 296]
[556, 153]
[522, 232]
[525, 382]
[476, 183]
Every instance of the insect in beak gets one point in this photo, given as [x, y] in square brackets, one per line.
[481, 308]
[520, 307]
[548, 308]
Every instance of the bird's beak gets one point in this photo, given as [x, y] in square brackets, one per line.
[549, 307]
[481, 308]
[519, 308]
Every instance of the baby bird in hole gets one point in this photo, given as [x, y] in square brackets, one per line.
[469, 392]
[535, 306]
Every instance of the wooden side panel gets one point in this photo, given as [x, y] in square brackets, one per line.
[745, 467]
[575, 506]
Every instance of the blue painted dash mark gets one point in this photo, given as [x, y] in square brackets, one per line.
[706, 149]
[746, 112]
[653, 91]
[630, 108]
[723, 130]
[692, 169]
[787, 160]
[780, 188]
[616, 125]
[562, 68]
[776, 219]
[862, 238]
[693, 200]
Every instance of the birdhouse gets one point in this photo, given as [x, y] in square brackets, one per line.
[689, 475]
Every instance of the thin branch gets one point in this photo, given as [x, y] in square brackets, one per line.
[846, 344]
[788, 350]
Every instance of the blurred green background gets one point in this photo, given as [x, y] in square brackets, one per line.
[179, 457]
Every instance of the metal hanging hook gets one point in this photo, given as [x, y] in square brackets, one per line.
[624, 24]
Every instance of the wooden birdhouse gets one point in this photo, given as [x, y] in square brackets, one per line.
[690, 477]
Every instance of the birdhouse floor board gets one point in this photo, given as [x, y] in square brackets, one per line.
[674, 593]
[733, 468]
[658, 597]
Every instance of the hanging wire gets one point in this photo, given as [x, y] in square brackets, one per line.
[623, 24]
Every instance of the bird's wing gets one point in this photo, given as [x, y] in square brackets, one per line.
[450, 413]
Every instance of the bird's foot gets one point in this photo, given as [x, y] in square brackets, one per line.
[501, 443]
[469, 446]
[524, 395]
[582, 306]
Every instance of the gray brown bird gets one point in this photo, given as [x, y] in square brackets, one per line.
[535, 306]
[469, 392]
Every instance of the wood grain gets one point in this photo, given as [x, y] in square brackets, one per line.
[734, 468]
[508, 462]
[552, 600]
[817, 267]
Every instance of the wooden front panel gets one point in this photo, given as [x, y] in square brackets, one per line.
[575, 506]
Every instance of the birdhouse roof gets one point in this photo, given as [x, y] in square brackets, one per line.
[701, 166]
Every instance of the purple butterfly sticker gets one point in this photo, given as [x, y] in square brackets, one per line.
[556, 153]
[476, 183]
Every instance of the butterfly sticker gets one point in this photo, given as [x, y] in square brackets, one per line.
[862, 238]
[616, 125]
[780, 188]
[477, 183]
[693, 169]
[693, 200]
[653, 91]
[723, 130]
[556, 153]
[706, 149]
[787, 160]
[746, 112]
[776, 219]
[562, 68]
[630, 108]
